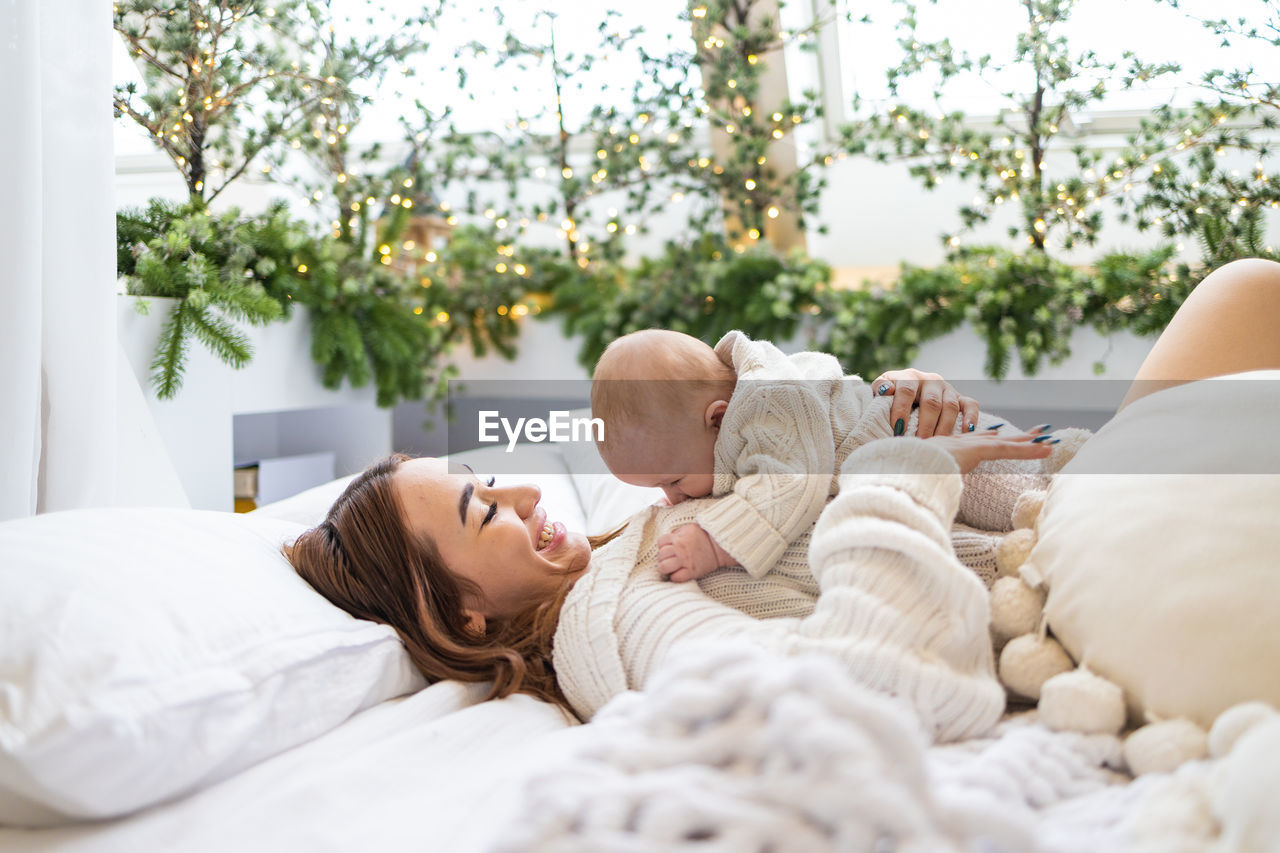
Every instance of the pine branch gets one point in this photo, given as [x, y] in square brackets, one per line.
[170, 360]
[222, 339]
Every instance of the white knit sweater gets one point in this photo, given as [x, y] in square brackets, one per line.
[895, 606]
[791, 423]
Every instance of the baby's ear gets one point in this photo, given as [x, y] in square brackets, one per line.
[715, 414]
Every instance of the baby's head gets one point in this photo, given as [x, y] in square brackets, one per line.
[661, 395]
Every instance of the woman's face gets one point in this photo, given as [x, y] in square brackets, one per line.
[497, 538]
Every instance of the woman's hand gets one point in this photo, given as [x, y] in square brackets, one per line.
[940, 404]
[971, 448]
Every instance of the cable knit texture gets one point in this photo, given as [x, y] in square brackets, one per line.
[791, 423]
[894, 606]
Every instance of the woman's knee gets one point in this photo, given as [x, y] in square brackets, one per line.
[1227, 325]
[1251, 280]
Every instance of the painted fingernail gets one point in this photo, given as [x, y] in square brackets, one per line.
[1040, 438]
[883, 389]
[1041, 428]
[972, 427]
[996, 426]
[899, 427]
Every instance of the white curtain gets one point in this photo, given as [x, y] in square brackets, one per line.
[58, 350]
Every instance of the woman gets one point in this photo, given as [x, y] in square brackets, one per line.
[482, 586]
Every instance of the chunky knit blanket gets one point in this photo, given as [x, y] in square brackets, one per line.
[732, 748]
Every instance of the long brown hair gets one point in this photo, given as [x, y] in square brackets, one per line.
[363, 559]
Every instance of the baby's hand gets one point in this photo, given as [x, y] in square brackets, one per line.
[688, 553]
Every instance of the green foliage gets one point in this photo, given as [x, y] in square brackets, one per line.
[364, 325]
[207, 263]
[1022, 305]
[368, 320]
[481, 284]
[875, 328]
[703, 289]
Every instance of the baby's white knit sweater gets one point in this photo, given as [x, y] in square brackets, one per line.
[791, 423]
[894, 604]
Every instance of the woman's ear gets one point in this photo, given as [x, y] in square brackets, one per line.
[714, 414]
[475, 621]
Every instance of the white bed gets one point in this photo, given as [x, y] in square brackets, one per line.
[441, 770]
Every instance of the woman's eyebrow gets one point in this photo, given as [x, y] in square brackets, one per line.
[465, 502]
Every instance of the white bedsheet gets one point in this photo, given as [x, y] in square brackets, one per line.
[434, 771]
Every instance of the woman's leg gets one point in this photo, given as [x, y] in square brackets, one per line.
[1229, 324]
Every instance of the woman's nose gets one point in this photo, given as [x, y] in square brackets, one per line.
[525, 498]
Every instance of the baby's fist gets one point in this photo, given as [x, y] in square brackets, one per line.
[687, 553]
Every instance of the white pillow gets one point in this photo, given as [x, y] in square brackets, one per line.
[608, 501]
[147, 652]
[1160, 544]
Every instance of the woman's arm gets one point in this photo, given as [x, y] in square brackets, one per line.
[896, 606]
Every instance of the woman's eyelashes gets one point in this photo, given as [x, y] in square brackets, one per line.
[493, 510]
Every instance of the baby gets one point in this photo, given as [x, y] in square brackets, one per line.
[766, 431]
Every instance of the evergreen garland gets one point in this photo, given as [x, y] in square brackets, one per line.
[207, 264]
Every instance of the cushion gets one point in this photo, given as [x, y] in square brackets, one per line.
[1159, 543]
[148, 652]
[607, 500]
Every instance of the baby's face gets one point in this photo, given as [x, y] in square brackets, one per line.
[678, 460]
